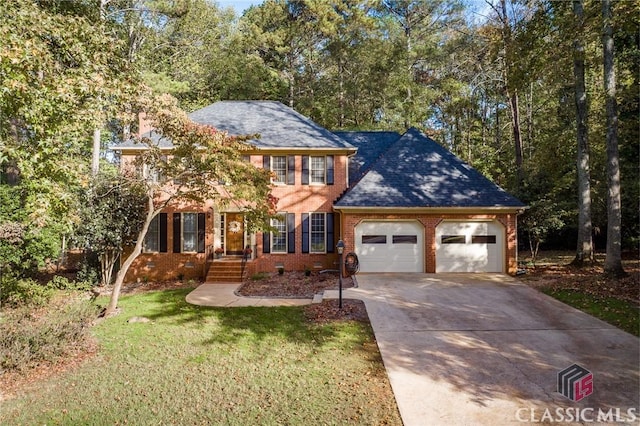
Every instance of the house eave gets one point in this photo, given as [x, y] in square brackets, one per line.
[302, 150]
[432, 210]
[257, 150]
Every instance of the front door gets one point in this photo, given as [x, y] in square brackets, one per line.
[234, 233]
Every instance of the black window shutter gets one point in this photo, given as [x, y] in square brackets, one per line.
[163, 232]
[291, 170]
[305, 170]
[266, 242]
[291, 233]
[177, 233]
[329, 169]
[305, 232]
[266, 162]
[201, 232]
[330, 233]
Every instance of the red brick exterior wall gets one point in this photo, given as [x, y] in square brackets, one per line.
[169, 266]
[298, 199]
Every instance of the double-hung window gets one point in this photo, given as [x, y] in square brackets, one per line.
[318, 232]
[279, 169]
[279, 234]
[189, 232]
[152, 239]
[318, 170]
[151, 174]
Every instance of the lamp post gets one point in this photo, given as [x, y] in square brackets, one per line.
[340, 249]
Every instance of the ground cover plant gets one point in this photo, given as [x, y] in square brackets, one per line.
[614, 300]
[198, 365]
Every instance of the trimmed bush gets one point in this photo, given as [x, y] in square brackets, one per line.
[60, 282]
[23, 292]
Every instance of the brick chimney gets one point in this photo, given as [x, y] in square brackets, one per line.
[144, 124]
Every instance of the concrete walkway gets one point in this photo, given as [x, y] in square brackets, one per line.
[224, 295]
[483, 349]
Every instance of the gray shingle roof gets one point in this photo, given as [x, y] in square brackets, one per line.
[417, 172]
[278, 125]
[162, 143]
[371, 145]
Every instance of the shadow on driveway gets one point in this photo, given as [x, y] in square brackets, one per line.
[487, 349]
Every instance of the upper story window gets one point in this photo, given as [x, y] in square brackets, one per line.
[318, 170]
[283, 168]
[151, 174]
[279, 169]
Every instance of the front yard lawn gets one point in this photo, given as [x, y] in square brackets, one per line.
[198, 365]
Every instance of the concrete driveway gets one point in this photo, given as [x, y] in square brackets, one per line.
[482, 349]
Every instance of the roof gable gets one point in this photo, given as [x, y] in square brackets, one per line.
[371, 145]
[417, 172]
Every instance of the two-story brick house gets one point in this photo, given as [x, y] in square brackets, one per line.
[400, 202]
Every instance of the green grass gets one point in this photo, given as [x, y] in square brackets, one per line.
[196, 365]
[621, 313]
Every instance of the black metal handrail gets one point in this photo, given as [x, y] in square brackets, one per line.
[246, 253]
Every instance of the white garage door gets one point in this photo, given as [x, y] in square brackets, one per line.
[390, 246]
[469, 247]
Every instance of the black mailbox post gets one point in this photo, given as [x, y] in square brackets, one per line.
[340, 250]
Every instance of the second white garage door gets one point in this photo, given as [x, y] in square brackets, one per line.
[469, 247]
[390, 246]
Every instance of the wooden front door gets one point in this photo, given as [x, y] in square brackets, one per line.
[234, 233]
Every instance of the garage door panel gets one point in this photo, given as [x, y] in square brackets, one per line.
[481, 249]
[390, 246]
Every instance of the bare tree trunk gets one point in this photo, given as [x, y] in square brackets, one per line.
[95, 152]
[613, 261]
[341, 94]
[584, 250]
[107, 261]
[530, 121]
[137, 249]
[97, 133]
[517, 134]
[511, 91]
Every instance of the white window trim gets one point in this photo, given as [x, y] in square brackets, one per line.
[282, 215]
[182, 217]
[150, 174]
[324, 179]
[286, 169]
[324, 216]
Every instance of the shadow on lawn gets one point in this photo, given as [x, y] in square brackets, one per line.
[234, 324]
